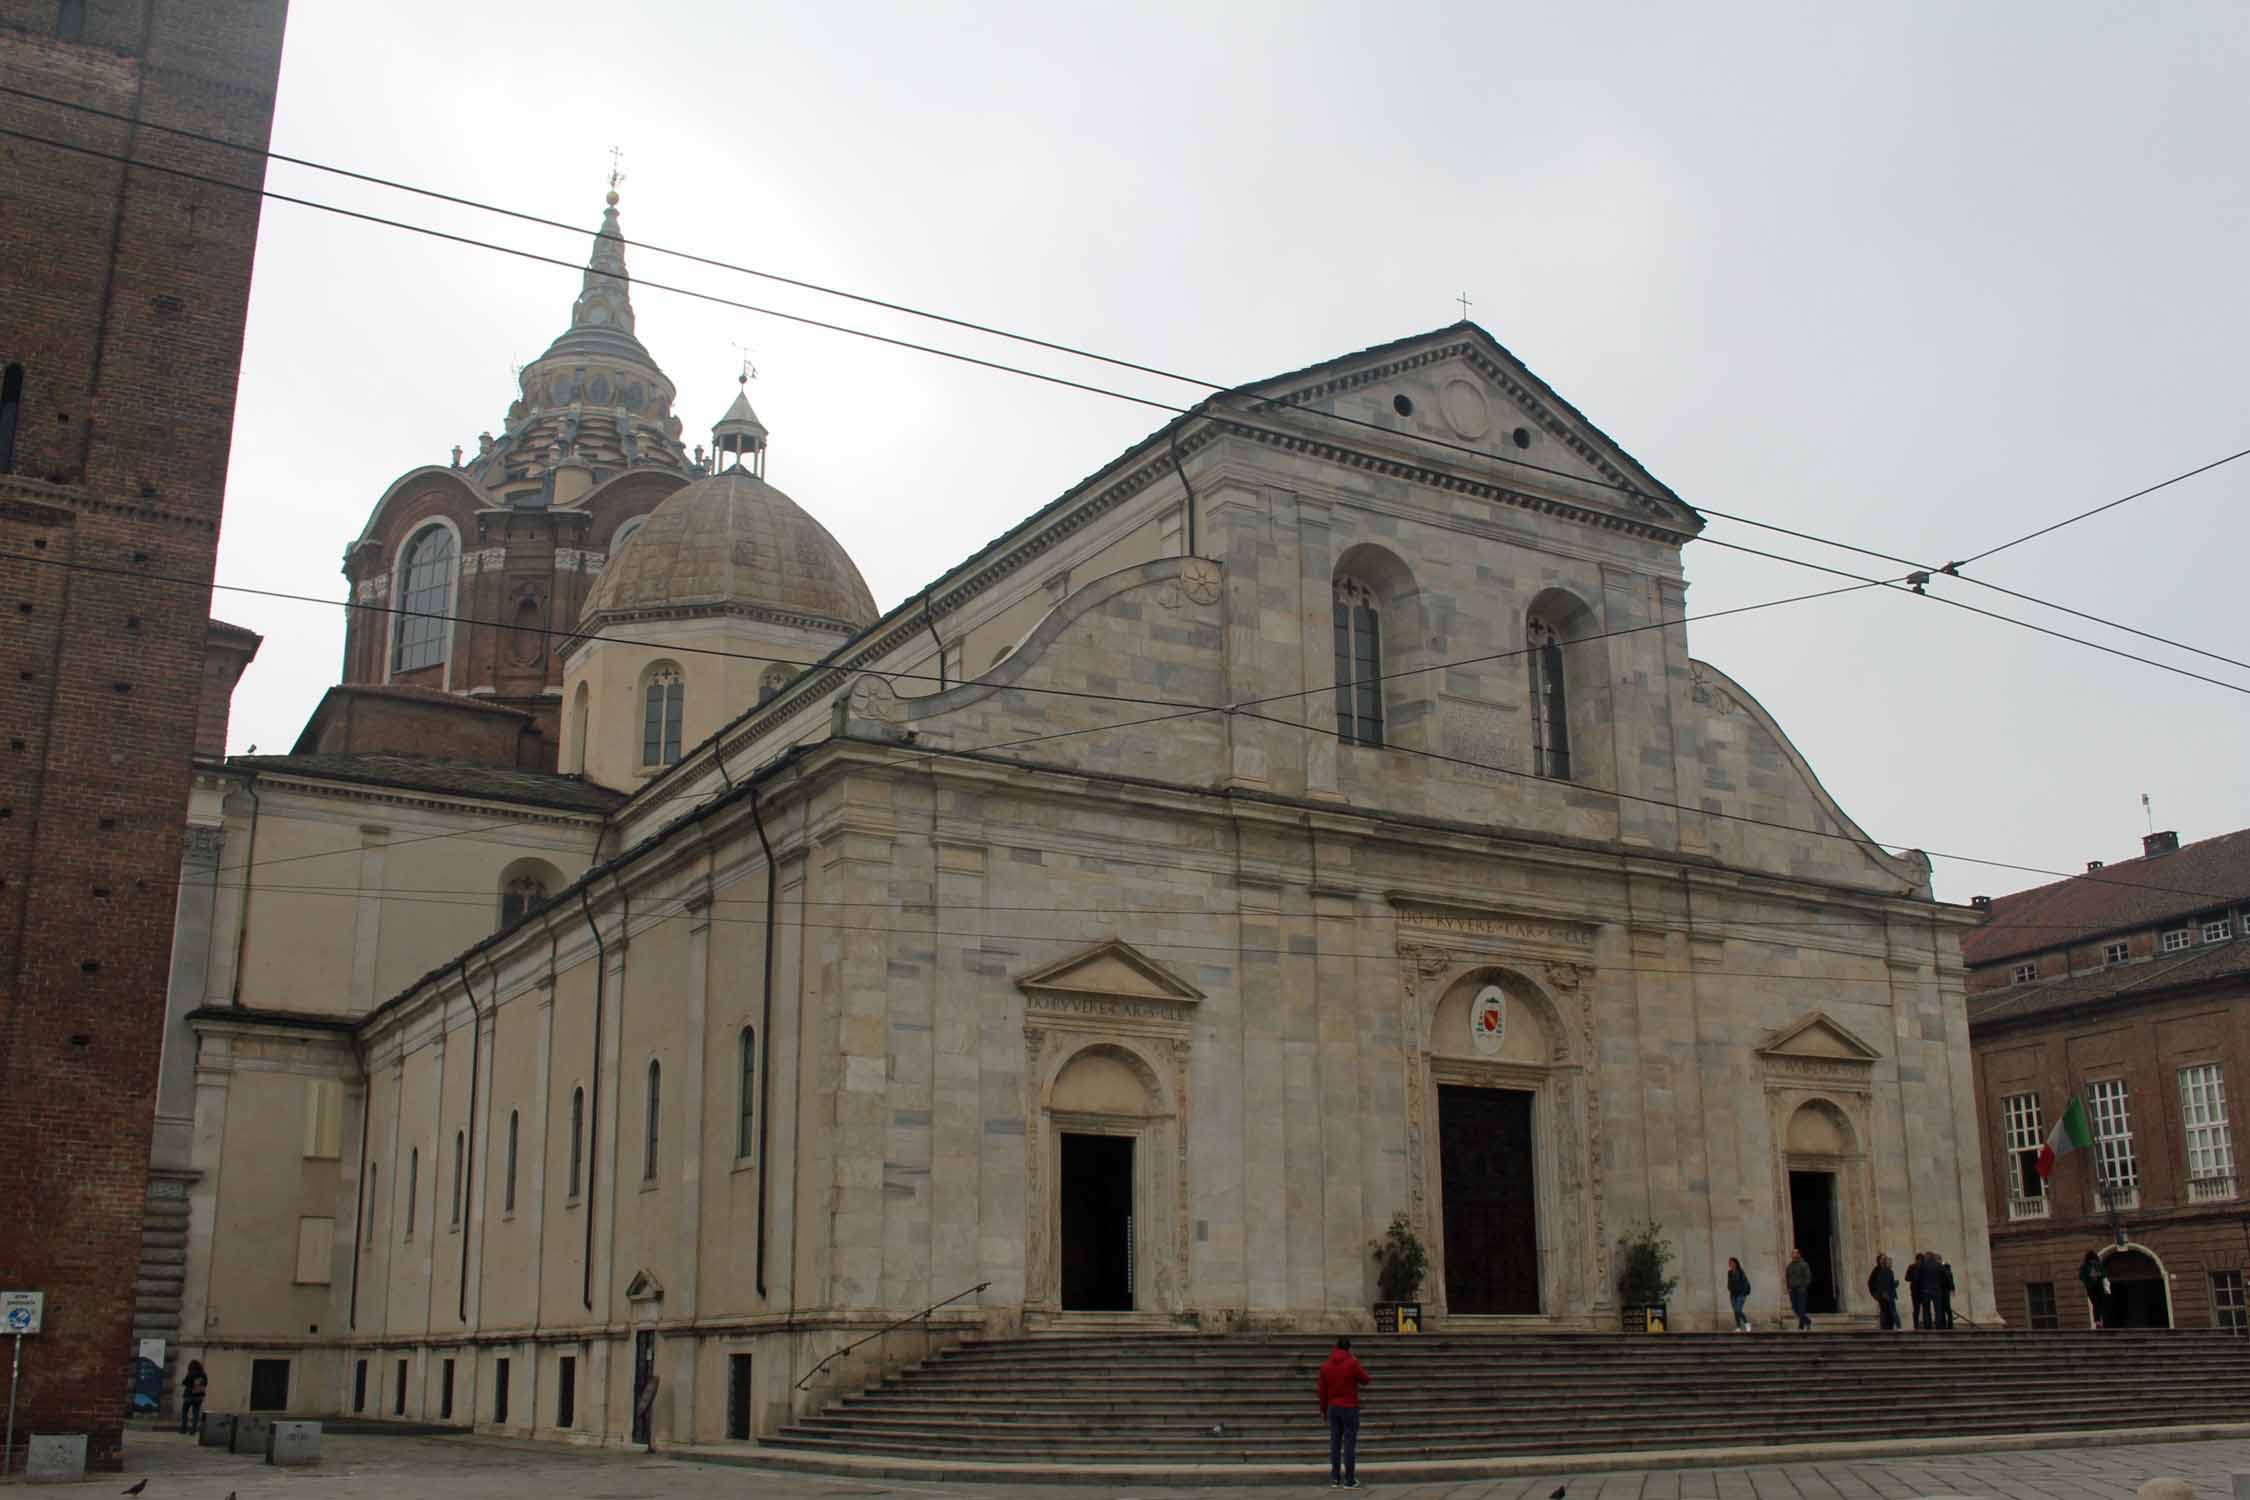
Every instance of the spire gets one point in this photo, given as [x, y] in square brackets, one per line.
[740, 432]
[604, 299]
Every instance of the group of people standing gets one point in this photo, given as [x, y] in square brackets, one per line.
[1929, 1280]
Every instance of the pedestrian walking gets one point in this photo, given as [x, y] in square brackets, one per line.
[2096, 1284]
[1340, 1379]
[1799, 1281]
[193, 1387]
[1738, 1292]
[1882, 1285]
[1945, 1294]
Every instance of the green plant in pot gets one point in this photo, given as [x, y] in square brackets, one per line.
[1400, 1264]
[1643, 1288]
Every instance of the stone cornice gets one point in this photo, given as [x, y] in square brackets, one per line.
[74, 498]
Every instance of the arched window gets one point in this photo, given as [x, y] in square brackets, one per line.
[744, 1138]
[648, 1149]
[577, 1136]
[578, 718]
[374, 1172]
[525, 894]
[508, 1191]
[460, 1160]
[425, 598]
[1359, 665]
[661, 702]
[624, 533]
[1550, 711]
[413, 1181]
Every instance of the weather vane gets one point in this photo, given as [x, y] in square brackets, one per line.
[616, 167]
[749, 370]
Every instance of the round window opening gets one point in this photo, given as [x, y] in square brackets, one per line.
[1403, 405]
[1521, 437]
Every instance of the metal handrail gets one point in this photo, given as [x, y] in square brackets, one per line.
[922, 1316]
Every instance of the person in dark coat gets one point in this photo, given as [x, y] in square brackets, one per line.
[1917, 1284]
[193, 1387]
[1798, 1278]
[1945, 1294]
[1340, 1379]
[1882, 1285]
[1738, 1293]
[2096, 1284]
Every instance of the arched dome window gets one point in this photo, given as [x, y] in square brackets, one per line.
[425, 598]
[624, 533]
[1550, 708]
[663, 695]
[1359, 664]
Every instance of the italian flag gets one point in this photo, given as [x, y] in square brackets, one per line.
[2070, 1134]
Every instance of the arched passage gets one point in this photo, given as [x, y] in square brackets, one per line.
[2140, 1290]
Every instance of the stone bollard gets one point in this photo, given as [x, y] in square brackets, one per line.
[218, 1429]
[55, 1458]
[2241, 1486]
[294, 1444]
[250, 1435]
[2166, 1489]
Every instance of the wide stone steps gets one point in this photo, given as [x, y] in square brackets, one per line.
[1187, 1402]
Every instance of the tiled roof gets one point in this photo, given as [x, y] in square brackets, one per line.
[2138, 981]
[428, 773]
[2132, 893]
[407, 693]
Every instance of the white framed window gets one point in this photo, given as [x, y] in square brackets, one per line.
[2024, 974]
[2115, 953]
[2175, 940]
[2227, 1309]
[2113, 1132]
[425, 598]
[662, 704]
[2210, 1146]
[2217, 930]
[2019, 1116]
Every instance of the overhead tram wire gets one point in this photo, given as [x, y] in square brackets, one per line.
[1951, 569]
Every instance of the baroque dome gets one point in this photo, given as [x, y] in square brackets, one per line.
[732, 543]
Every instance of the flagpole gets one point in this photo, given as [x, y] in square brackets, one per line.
[2101, 1177]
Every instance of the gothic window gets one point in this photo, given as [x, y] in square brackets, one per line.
[1550, 711]
[661, 703]
[425, 598]
[744, 1137]
[1359, 665]
[577, 1136]
[648, 1149]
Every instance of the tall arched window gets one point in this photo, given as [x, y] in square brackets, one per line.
[578, 723]
[577, 1136]
[425, 598]
[661, 702]
[413, 1181]
[508, 1191]
[460, 1160]
[1550, 710]
[1359, 665]
[744, 1138]
[648, 1149]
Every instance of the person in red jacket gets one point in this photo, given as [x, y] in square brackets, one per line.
[1340, 1379]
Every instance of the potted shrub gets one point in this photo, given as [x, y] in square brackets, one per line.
[1400, 1265]
[1643, 1256]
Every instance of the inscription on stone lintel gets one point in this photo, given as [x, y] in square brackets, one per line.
[1496, 925]
[1048, 1002]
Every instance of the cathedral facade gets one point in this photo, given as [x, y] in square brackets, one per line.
[1313, 817]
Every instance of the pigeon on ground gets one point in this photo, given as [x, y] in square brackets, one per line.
[1558, 1492]
[136, 1489]
[1218, 1429]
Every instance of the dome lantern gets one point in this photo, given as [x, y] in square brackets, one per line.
[738, 440]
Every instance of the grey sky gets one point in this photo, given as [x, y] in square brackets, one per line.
[1920, 277]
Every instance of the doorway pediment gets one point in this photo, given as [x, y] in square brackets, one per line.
[1114, 970]
[1818, 1038]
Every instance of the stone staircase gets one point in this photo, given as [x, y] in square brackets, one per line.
[163, 1270]
[1247, 1400]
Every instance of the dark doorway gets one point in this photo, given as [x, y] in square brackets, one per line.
[1812, 1226]
[644, 1370]
[566, 1391]
[500, 1389]
[359, 1386]
[738, 1397]
[445, 1391]
[269, 1385]
[1097, 1223]
[1491, 1209]
[2137, 1295]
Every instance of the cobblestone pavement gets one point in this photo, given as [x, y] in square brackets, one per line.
[468, 1468]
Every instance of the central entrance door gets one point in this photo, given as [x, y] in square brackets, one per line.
[1812, 1223]
[1097, 1223]
[644, 1373]
[1491, 1209]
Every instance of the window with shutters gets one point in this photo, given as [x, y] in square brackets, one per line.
[1359, 664]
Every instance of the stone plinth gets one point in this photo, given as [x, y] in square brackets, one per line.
[294, 1444]
[218, 1429]
[56, 1458]
[250, 1434]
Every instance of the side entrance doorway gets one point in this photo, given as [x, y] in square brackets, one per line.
[1490, 1201]
[1097, 1222]
[1812, 1227]
[644, 1371]
[2138, 1296]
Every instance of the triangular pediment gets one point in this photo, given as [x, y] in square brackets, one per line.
[644, 1287]
[1114, 970]
[1818, 1036]
[1471, 403]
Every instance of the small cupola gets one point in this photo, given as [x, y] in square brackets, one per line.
[739, 439]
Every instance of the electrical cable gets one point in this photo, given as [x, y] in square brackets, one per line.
[2108, 505]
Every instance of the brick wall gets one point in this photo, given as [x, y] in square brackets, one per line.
[125, 293]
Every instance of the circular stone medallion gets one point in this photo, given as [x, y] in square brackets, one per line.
[1465, 409]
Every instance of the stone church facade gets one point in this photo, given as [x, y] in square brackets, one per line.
[1312, 817]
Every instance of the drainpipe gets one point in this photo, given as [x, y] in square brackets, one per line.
[765, 1029]
[469, 1147]
[594, 1091]
[249, 863]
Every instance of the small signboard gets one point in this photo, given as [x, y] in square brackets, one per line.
[20, 1311]
[1398, 1317]
[1649, 1319]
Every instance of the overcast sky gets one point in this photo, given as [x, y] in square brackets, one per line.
[1919, 277]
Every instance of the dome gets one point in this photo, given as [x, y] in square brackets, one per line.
[732, 543]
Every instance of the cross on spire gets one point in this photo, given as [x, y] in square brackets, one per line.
[616, 167]
[1463, 299]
